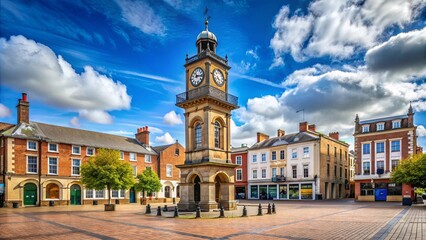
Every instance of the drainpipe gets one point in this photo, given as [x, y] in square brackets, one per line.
[40, 190]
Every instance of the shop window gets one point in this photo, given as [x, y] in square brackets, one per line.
[293, 191]
[306, 191]
[254, 193]
[366, 189]
[52, 191]
[283, 191]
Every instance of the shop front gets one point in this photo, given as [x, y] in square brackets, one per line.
[283, 191]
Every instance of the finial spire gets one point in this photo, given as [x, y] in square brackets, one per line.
[410, 109]
[207, 17]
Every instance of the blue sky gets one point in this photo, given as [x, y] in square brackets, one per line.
[114, 66]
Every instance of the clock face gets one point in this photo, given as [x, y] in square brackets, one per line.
[197, 76]
[218, 77]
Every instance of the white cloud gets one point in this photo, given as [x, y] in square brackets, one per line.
[4, 111]
[165, 139]
[337, 28]
[421, 131]
[75, 122]
[140, 15]
[34, 68]
[171, 118]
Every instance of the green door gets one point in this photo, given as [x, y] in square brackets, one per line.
[30, 194]
[75, 195]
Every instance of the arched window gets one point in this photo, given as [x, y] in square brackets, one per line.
[52, 191]
[198, 135]
[217, 134]
[167, 192]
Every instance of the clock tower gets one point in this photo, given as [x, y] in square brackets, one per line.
[207, 176]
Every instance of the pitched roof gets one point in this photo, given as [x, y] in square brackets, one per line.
[59, 134]
[239, 149]
[383, 119]
[285, 140]
[158, 149]
[4, 126]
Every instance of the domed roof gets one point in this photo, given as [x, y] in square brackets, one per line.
[206, 34]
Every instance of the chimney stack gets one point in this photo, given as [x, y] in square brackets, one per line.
[280, 133]
[23, 108]
[303, 126]
[312, 127]
[334, 135]
[261, 137]
[143, 135]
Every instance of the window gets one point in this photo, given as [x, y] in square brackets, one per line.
[99, 193]
[31, 164]
[394, 164]
[76, 150]
[380, 126]
[366, 168]
[254, 173]
[89, 193]
[294, 169]
[328, 169]
[294, 153]
[335, 151]
[52, 191]
[122, 193]
[365, 128]
[380, 147]
[306, 152]
[90, 151]
[75, 167]
[239, 174]
[169, 170]
[305, 171]
[114, 193]
[263, 157]
[366, 189]
[254, 158]
[121, 155]
[396, 124]
[365, 148]
[395, 146]
[132, 156]
[148, 158]
[282, 154]
[135, 170]
[239, 160]
[274, 155]
[274, 172]
[328, 149]
[53, 147]
[335, 170]
[282, 171]
[32, 145]
[340, 155]
[394, 189]
[198, 135]
[341, 172]
[263, 173]
[217, 134]
[380, 165]
[177, 151]
[53, 165]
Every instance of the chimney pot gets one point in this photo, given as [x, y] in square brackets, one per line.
[334, 135]
[312, 128]
[24, 97]
[303, 126]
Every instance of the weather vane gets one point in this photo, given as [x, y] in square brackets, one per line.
[207, 17]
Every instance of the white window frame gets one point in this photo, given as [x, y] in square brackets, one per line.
[96, 197]
[254, 173]
[148, 158]
[306, 154]
[273, 155]
[399, 161]
[89, 191]
[395, 140]
[274, 172]
[87, 151]
[28, 145]
[48, 165]
[239, 160]
[396, 122]
[51, 144]
[380, 126]
[26, 167]
[366, 128]
[294, 167]
[263, 173]
[293, 153]
[263, 157]
[236, 174]
[171, 170]
[135, 158]
[282, 154]
[121, 155]
[362, 167]
[72, 150]
[72, 167]
[305, 167]
[254, 158]
[384, 147]
[369, 149]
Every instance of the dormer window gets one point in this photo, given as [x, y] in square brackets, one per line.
[380, 126]
[396, 124]
[365, 128]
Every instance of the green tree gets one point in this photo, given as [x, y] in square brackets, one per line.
[107, 170]
[148, 182]
[411, 170]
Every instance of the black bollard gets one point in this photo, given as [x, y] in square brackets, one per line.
[174, 200]
[198, 213]
[222, 212]
[165, 208]
[159, 211]
[244, 212]
[148, 209]
[269, 209]
[273, 208]
[259, 210]
[176, 212]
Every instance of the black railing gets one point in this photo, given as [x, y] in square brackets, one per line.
[278, 178]
[207, 91]
[204, 54]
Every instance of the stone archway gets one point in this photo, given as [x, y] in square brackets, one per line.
[197, 189]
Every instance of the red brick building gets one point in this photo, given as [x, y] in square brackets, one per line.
[379, 146]
[40, 163]
[239, 157]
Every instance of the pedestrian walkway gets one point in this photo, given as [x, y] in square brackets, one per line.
[412, 226]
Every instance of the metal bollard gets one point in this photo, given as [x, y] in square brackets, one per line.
[198, 213]
[269, 209]
[174, 200]
[244, 212]
[159, 211]
[165, 208]
[259, 210]
[222, 212]
[273, 208]
[176, 212]
[148, 209]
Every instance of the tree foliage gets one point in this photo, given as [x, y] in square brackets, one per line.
[106, 170]
[412, 171]
[148, 182]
